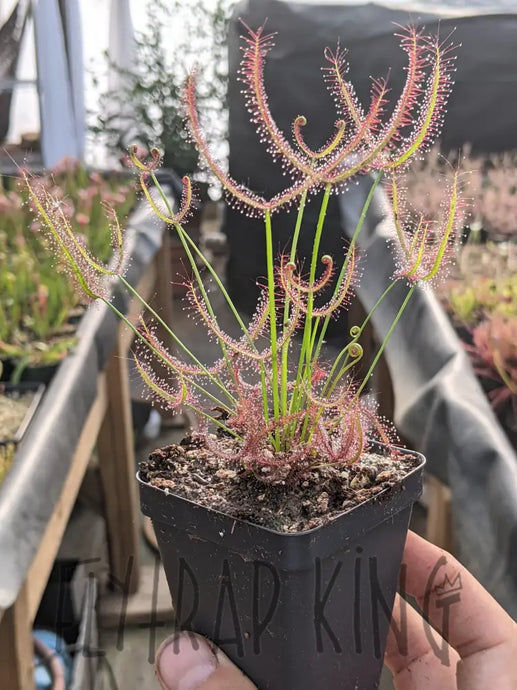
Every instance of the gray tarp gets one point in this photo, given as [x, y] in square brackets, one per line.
[439, 405]
[442, 411]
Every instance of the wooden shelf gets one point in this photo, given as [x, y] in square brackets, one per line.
[108, 427]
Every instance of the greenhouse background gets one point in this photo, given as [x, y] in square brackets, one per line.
[86, 590]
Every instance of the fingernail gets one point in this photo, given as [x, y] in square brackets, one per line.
[184, 662]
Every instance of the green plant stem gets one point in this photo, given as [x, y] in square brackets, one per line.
[177, 340]
[272, 325]
[185, 238]
[158, 354]
[345, 351]
[285, 347]
[353, 242]
[304, 361]
[384, 342]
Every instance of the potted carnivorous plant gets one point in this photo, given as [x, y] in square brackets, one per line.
[281, 519]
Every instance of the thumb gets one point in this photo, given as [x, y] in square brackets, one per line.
[187, 661]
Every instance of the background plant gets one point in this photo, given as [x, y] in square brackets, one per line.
[470, 301]
[148, 107]
[280, 419]
[492, 185]
[494, 356]
[35, 299]
[485, 309]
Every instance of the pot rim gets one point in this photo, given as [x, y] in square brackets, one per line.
[377, 499]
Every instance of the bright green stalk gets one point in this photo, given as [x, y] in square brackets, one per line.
[285, 347]
[272, 323]
[307, 339]
[305, 352]
[353, 241]
[384, 342]
[158, 354]
[177, 340]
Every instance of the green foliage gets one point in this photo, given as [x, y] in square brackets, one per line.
[472, 299]
[149, 106]
[35, 298]
[487, 306]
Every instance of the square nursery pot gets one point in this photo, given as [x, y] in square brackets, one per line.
[306, 610]
[28, 374]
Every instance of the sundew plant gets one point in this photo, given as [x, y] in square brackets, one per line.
[273, 413]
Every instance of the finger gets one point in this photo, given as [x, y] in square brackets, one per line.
[440, 583]
[468, 617]
[187, 661]
[412, 656]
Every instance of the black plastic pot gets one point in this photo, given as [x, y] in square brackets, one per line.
[13, 371]
[6, 369]
[40, 374]
[307, 610]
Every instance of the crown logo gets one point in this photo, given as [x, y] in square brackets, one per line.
[449, 586]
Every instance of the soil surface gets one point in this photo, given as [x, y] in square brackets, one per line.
[13, 408]
[297, 503]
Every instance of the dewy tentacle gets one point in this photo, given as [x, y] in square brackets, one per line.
[255, 51]
[239, 346]
[178, 365]
[454, 216]
[153, 164]
[325, 172]
[325, 150]
[432, 106]
[340, 298]
[185, 206]
[233, 188]
[160, 388]
[423, 244]
[238, 194]
[415, 46]
[371, 148]
[260, 318]
[288, 277]
[342, 90]
[297, 289]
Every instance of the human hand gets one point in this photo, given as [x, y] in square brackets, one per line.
[482, 639]
[190, 662]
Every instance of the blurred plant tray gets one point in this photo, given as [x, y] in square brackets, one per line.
[16, 391]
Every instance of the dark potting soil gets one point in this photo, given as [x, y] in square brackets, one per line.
[293, 504]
